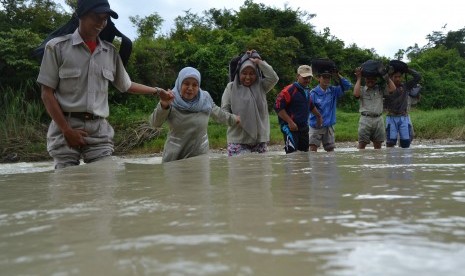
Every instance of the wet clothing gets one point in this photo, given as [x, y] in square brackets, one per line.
[251, 105]
[397, 106]
[187, 136]
[295, 100]
[295, 140]
[323, 136]
[399, 127]
[239, 149]
[397, 103]
[371, 124]
[80, 80]
[188, 120]
[371, 129]
[325, 102]
[99, 142]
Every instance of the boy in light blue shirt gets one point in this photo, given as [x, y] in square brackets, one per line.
[324, 96]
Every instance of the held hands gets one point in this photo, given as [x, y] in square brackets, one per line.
[166, 98]
[165, 95]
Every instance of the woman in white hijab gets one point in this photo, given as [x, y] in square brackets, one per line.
[187, 116]
[245, 96]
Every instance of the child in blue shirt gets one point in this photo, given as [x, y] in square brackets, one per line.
[324, 96]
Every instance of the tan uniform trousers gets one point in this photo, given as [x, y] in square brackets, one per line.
[99, 142]
[371, 129]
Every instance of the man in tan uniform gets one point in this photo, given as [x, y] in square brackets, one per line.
[74, 76]
[370, 96]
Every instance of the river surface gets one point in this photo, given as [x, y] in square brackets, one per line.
[386, 212]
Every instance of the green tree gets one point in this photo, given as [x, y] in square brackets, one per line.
[148, 26]
[24, 25]
[443, 72]
[16, 64]
[451, 40]
[39, 16]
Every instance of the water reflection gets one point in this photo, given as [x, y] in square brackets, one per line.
[400, 161]
[326, 182]
[392, 211]
[249, 193]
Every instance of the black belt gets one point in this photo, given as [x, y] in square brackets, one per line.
[397, 114]
[82, 115]
[370, 114]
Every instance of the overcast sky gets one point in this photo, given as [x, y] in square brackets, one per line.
[386, 26]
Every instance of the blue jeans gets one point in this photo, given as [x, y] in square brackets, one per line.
[399, 127]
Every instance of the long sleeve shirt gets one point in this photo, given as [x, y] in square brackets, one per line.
[237, 134]
[187, 136]
[397, 103]
[326, 100]
[295, 99]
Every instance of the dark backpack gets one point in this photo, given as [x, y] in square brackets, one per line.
[234, 66]
[399, 66]
[107, 34]
[236, 62]
[323, 65]
[372, 68]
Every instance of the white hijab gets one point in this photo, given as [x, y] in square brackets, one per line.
[201, 103]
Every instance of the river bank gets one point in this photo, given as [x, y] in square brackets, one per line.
[36, 157]
[339, 145]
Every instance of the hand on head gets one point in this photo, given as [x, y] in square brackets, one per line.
[254, 56]
[358, 72]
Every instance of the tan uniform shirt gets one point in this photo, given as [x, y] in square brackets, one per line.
[80, 78]
[371, 100]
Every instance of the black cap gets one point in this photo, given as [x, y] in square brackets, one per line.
[97, 6]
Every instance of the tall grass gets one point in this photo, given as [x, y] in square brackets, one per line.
[439, 124]
[435, 124]
[23, 133]
[20, 115]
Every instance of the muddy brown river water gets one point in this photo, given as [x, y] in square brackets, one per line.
[387, 212]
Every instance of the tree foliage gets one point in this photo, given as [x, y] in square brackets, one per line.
[285, 38]
[148, 26]
[23, 25]
[443, 72]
